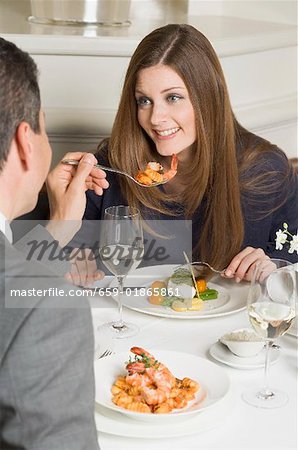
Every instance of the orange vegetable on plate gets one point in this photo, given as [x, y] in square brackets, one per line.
[158, 292]
[201, 285]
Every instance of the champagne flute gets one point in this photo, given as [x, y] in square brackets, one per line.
[271, 309]
[121, 251]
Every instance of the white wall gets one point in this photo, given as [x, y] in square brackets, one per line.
[81, 77]
[282, 11]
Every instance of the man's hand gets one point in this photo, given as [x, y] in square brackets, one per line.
[66, 186]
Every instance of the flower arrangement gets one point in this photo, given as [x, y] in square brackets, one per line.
[285, 237]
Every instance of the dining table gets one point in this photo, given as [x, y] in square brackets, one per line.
[232, 424]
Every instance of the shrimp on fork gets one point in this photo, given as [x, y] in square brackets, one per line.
[154, 172]
[173, 170]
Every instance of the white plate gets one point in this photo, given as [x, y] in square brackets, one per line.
[232, 297]
[222, 354]
[213, 380]
[111, 422]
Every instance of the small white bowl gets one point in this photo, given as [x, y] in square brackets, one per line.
[243, 342]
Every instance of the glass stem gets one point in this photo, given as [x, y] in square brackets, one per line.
[266, 392]
[120, 322]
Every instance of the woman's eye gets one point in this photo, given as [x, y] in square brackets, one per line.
[143, 101]
[174, 98]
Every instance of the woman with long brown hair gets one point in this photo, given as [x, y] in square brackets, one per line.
[237, 188]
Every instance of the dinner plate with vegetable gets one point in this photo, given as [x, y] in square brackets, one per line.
[181, 293]
[170, 291]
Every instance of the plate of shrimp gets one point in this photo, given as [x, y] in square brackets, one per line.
[158, 386]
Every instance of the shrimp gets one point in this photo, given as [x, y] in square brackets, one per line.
[154, 175]
[173, 170]
[142, 178]
[154, 166]
[147, 361]
[163, 382]
[154, 172]
[138, 380]
[150, 387]
[161, 378]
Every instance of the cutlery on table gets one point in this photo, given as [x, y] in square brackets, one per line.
[99, 355]
[203, 263]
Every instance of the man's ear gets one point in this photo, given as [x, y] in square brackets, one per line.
[23, 136]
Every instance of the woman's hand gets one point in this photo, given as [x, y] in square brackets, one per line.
[242, 265]
[83, 270]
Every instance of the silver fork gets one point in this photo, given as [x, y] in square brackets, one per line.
[106, 353]
[102, 355]
[203, 263]
[74, 162]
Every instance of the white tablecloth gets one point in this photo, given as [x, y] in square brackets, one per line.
[244, 426]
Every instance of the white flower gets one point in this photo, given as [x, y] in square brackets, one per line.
[285, 237]
[294, 244]
[281, 238]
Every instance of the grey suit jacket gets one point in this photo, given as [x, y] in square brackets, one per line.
[46, 361]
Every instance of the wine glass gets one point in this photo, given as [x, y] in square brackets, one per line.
[121, 251]
[271, 309]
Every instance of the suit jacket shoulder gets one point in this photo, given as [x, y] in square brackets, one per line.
[46, 361]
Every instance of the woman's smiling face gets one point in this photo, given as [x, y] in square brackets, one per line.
[165, 111]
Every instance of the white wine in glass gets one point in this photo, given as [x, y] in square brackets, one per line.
[121, 251]
[271, 308]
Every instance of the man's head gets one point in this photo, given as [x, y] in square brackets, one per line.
[19, 94]
[25, 153]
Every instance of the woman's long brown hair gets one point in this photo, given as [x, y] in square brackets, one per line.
[213, 175]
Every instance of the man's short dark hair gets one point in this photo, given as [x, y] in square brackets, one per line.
[19, 94]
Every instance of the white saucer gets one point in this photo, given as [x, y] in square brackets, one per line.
[222, 354]
[111, 422]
